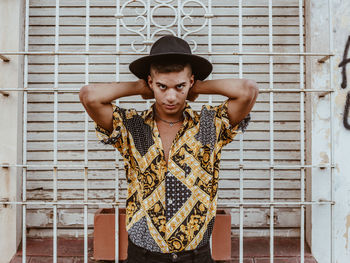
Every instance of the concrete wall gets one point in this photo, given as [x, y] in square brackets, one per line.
[11, 39]
[341, 184]
[320, 182]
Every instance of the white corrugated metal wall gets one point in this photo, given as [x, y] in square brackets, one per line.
[71, 75]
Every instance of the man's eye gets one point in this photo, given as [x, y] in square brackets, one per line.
[180, 86]
[162, 86]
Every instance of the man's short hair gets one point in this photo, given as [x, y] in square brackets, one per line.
[169, 66]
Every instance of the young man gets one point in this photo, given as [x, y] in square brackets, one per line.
[171, 153]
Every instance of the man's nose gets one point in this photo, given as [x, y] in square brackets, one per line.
[171, 95]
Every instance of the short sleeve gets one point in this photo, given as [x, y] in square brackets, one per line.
[118, 137]
[227, 131]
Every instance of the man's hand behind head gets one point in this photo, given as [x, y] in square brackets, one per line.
[145, 91]
[192, 93]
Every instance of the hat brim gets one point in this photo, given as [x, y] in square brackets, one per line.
[201, 67]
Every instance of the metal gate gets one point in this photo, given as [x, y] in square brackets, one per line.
[60, 58]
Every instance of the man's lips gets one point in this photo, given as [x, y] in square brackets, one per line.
[170, 106]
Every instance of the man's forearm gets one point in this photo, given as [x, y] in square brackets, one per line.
[231, 88]
[106, 92]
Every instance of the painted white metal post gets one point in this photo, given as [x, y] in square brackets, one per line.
[331, 129]
[302, 130]
[55, 120]
[148, 35]
[86, 132]
[241, 172]
[25, 119]
[210, 50]
[116, 191]
[272, 171]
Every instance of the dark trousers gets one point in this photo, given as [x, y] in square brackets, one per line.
[138, 254]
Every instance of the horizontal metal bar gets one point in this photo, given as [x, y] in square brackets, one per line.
[247, 167]
[105, 53]
[268, 167]
[59, 166]
[323, 91]
[234, 204]
[228, 204]
[4, 58]
[295, 90]
[82, 203]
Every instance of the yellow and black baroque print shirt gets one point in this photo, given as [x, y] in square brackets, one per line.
[171, 207]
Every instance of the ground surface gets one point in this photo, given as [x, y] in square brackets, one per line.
[256, 250]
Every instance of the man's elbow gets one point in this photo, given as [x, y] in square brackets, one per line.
[85, 95]
[251, 90]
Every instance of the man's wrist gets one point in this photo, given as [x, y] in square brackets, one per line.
[140, 87]
[196, 88]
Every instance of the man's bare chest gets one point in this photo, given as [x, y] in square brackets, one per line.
[167, 136]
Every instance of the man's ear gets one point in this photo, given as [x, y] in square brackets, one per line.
[149, 81]
[192, 80]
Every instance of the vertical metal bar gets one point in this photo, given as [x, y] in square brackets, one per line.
[148, 35]
[25, 117]
[86, 172]
[241, 181]
[271, 137]
[331, 110]
[210, 49]
[55, 134]
[178, 18]
[302, 128]
[116, 191]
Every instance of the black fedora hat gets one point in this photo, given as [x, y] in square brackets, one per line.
[172, 49]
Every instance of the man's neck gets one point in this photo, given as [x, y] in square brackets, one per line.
[168, 117]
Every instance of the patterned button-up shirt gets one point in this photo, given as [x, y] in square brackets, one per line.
[171, 207]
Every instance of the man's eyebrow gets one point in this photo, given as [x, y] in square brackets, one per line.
[182, 83]
[178, 84]
[159, 83]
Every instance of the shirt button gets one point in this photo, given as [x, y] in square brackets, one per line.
[170, 201]
[174, 256]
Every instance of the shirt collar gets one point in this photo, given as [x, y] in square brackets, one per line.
[149, 114]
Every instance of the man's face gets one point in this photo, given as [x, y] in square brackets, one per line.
[170, 90]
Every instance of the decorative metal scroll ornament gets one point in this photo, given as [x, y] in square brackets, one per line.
[176, 21]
